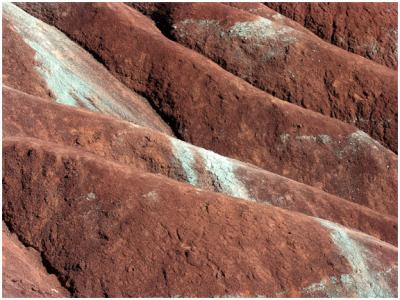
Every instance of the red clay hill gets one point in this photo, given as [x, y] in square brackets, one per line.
[199, 150]
[367, 29]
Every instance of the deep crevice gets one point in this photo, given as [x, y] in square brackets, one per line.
[46, 264]
[165, 29]
[160, 16]
[172, 122]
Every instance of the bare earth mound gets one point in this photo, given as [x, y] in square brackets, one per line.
[154, 152]
[199, 150]
[367, 29]
[144, 237]
[211, 108]
[72, 75]
[278, 58]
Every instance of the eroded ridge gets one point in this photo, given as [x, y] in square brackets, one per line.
[363, 281]
[221, 170]
[134, 226]
[209, 107]
[73, 76]
[257, 198]
[276, 56]
[151, 151]
[369, 30]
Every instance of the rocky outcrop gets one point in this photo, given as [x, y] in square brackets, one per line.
[211, 108]
[72, 76]
[144, 237]
[367, 29]
[276, 58]
[154, 152]
[23, 272]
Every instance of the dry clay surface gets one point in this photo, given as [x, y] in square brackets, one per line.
[367, 29]
[19, 63]
[72, 76]
[257, 198]
[23, 272]
[291, 64]
[154, 152]
[147, 237]
[211, 108]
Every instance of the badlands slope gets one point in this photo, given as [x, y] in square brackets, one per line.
[278, 59]
[150, 150]
[373, 34]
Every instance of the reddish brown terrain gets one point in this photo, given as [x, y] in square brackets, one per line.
[275, 57]
[23, 272]
[154, 152]
[187, 237]
[150, 151]
[211, 108]
[72, 76]
[19, 63]
[367, 29]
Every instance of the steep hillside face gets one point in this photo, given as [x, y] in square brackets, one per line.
[367, 29]
[190, 242]
[72, 76]
[154, 152]
[211, 108]
[278, 58]
[151, 150]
